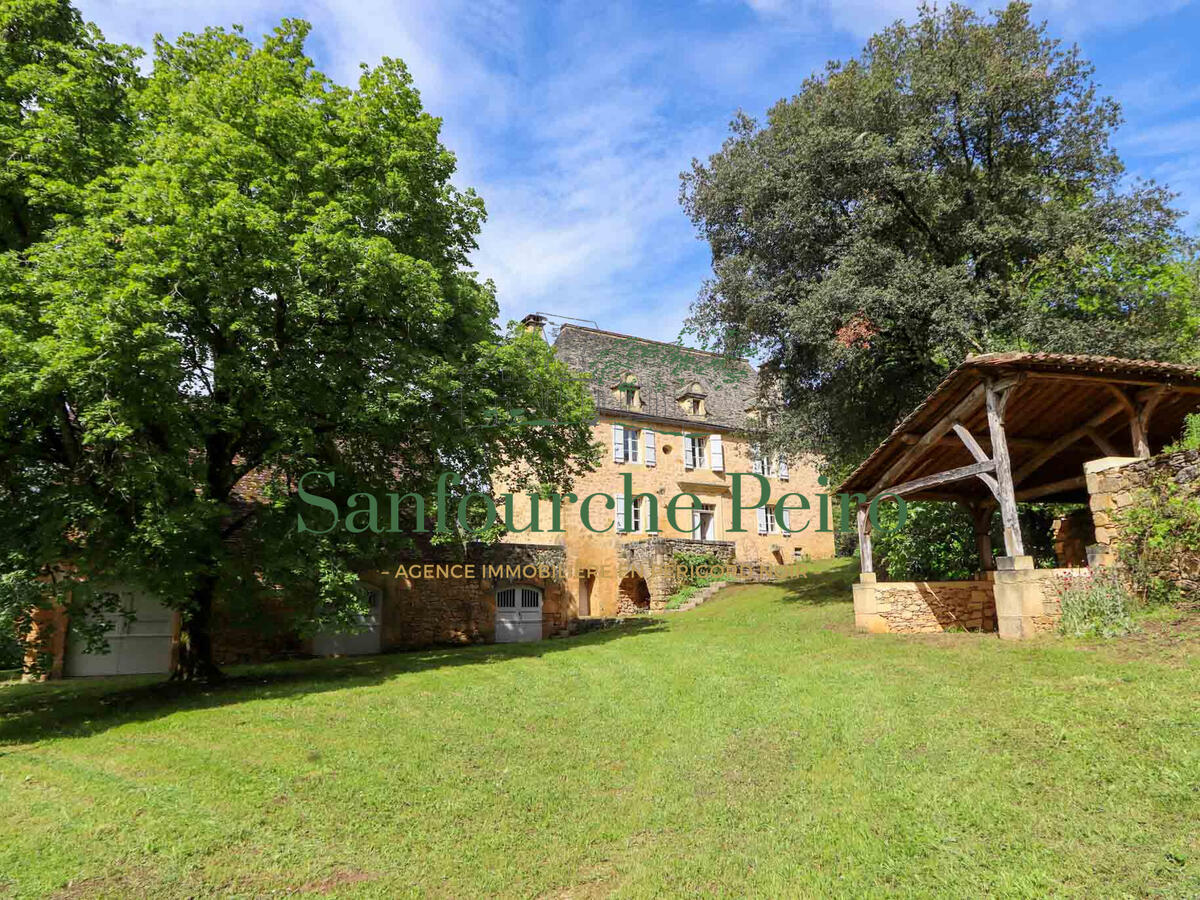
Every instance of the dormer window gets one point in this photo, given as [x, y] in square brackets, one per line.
[627, 392]
[691, 400]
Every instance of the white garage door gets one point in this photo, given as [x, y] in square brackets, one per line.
[367, 639]
[139, 647]
[518, 614]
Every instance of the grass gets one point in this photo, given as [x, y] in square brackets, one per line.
[753, 746]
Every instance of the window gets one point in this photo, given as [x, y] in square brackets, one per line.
[632, 439]
[762, 463]
[695, 406]
[704, 523]
[629, 395]
[635, 523]
[694, 452]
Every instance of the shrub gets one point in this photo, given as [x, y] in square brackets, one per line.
[1190, 438]
[1096, 605]
[937, 543]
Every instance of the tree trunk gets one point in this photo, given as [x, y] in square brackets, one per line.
[195, 661]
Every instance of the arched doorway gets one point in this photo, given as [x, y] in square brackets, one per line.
[634, 595]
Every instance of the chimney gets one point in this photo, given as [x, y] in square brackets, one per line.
[534, 322]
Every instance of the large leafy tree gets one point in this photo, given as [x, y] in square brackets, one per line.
[950, 191]
[272, 280]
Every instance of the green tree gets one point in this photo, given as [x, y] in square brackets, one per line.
[950, 191]
[64, 112]
[272, 280]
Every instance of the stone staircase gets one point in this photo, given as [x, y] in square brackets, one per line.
[701, 596]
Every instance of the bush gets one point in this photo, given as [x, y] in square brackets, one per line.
[937, 543]
[1190, 438]
[1095, 606]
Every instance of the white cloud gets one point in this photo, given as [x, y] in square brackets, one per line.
[863, 18]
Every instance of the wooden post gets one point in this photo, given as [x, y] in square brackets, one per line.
[981, 516]
[864, 541]
[996, 401]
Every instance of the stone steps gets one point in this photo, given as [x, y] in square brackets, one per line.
[701, 596]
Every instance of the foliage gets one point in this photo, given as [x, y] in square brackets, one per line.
[950, 191]
[690, 581]
[1159, 541]
[937, 543]
[271, 277]
[1095, 605]
[65, 115]
[1189, 439]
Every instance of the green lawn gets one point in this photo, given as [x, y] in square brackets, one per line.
[753, 746]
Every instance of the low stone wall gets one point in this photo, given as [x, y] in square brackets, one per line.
[1016, 601]
[420, 612]
[914, 607]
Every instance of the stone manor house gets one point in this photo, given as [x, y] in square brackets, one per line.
[677, 420]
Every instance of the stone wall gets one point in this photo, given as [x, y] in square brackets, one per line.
[654, 560]
[1016, 601]
[1114, 485]
[1073, 534]
[912, 607]
[450, 608]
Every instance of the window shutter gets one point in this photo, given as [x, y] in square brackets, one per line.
[649, 447]
[758, 464]
[787, 520]
[718, 453]
[620, 498]
[783, 470]
[618, 443]
[689, 453]
[762, 519]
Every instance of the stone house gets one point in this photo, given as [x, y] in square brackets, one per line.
[675, 421]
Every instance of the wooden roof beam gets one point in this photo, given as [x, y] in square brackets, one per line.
[968, 404]
[1055, 447]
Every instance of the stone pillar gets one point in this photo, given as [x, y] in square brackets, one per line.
[1019, 598]
[48, 637]
[866, 614]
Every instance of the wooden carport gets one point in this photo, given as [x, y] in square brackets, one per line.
[1007, 427]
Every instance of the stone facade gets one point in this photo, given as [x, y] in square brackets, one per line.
[458, 605]
[667, 477]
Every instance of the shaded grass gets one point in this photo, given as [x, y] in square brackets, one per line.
[754, 745]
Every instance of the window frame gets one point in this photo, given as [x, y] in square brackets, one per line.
[631, 444]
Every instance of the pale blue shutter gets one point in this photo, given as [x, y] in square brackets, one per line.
[649, 447]
[762, 519]
[620, 498]
[618, 444]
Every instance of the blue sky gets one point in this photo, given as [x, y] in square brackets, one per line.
[573, 120]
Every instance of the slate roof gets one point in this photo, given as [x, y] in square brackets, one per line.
[662, 372]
